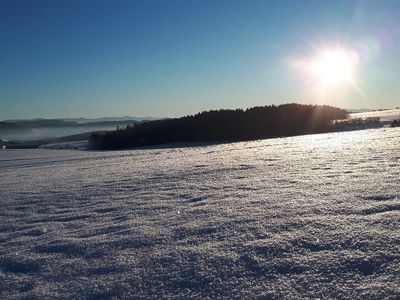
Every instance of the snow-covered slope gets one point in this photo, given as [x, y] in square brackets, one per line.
[384, 115]
[77, 145]
[309, 216]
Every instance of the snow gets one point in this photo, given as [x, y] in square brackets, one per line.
[78, 145]
[313, 216]
[385, 115]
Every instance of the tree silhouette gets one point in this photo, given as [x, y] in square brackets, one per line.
[225, 126]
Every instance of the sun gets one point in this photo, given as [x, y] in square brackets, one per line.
[333, 67]
[330, 72]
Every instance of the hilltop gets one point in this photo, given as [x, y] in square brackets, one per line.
[225, 126]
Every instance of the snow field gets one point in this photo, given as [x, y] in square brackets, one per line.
[308, 216]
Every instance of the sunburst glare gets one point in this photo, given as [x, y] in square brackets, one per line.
[334, 67]
[330, 69]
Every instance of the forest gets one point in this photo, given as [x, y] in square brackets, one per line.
[225, 125]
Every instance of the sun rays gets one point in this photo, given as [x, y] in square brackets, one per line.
[330, 70]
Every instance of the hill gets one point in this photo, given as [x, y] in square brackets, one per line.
[109, 123]
[108, 119]
[10, 126]
[225, 126]
[41, 123]
[37, 123]
[32, 144]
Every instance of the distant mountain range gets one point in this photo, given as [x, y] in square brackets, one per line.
[10, 126]
[37, 129]
[108, 119]
[74, 121]
[38, 123]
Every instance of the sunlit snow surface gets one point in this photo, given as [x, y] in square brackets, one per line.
[309, 216]
[384, 115]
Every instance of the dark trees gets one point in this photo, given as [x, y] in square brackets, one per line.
[225, 125]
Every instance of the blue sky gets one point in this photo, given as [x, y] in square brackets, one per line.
[172, 58]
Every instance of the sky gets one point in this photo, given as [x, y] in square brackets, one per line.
[172, 58]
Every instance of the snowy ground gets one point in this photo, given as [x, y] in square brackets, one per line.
[77, 145]
[384, 115]
[309, 216]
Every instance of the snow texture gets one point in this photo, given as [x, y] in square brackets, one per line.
[313, 216]
[78, 145]
[384, 115]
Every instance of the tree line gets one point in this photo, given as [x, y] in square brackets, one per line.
[225, 125]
